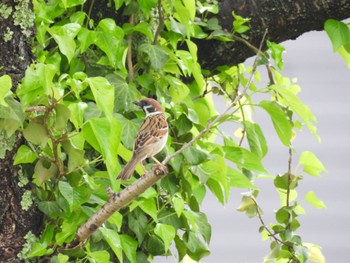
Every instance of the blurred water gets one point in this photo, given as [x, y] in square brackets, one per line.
[325, 82]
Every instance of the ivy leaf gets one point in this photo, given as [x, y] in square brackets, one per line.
[315, 253]
[75, 196]
[130, 129]
[5, 87]
[290, 99]
[183, 124]
[49, 208]
[244, 159]
[312, 165]
[156, 54]
[129, 245]
[104, 136]
[35, 133]
[36, 83]
[62, 116]
[125, 94]
[113, 240]
[195, 155]
[282, 125]
[276, 53]
[138, 222]
[103, 93]
[338, 32]
[44, 171]
[24, 155]
[179, 205]
[99, 256]
[314, 201]
[256, 139]
[166, 233]
[149, 207]
[64, 37]
[109, 38]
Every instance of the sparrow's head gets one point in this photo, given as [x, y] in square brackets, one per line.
[149, 105]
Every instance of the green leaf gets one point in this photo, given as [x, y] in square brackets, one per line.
[49, 208]
[36, 83]
[75, 196]
[44, 171]
[276, 53]
[149, 207]
[113, 239]
[290, 99]
[75, 155]
[179, 205]
[138, 222]
[315, 253]
[311, 163]
[125, 94]
[142, 27]
[64, 37]
[338, 32]
[99, 256]
[197, 248]
[282, 125]
[35, 133]
[239, 23]
[77, 113]
[103, 93]
[62, 116]
[314, 201]
[239, 180]
[195, 155]
[5, 87]
[256, 139]
[183, 124]
[129, 245]
[130, 129]
[39, 250]
[166, 233]
[109, 38]
[104, 136]
[24, 155]
[156, 54]
[244, 159]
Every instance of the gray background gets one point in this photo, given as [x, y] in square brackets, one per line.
[324, 80]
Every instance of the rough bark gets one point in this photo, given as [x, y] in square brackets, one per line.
[15, 56]
[284, 20]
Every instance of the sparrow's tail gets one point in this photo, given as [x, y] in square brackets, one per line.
[128, 170]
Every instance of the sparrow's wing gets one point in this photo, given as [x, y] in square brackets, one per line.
[153, 128]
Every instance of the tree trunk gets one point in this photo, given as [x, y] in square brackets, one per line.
[284, 20]
[15, 56]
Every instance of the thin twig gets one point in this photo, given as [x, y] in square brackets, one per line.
[160, 22]
[271, 234]
[36, 108]
[289, 172]
[129, 55]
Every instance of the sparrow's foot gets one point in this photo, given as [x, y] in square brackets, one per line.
[159, 169]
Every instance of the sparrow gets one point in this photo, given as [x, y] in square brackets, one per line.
[151, 137]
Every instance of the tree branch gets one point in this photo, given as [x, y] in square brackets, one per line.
[285, 20]
[119, 200]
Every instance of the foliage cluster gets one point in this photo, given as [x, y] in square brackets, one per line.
[74, 108]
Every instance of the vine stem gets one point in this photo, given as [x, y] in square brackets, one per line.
[289, 172]
[118, 200]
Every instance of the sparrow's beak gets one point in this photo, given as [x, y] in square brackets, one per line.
[138, 103]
